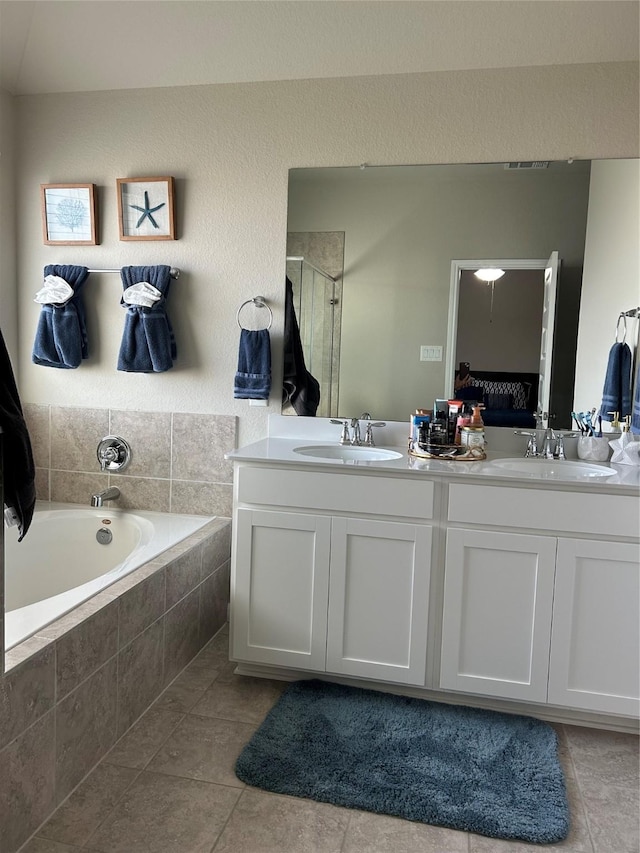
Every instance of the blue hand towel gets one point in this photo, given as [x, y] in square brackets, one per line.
[61, 335]
[635, 413]
[148, 344]
[253, 377]
[616, 395]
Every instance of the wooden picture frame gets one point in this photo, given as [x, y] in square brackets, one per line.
[69, 214]
[146, 208]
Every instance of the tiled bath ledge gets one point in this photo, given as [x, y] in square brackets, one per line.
[69, 692]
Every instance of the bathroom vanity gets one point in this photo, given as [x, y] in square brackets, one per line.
[466, 582]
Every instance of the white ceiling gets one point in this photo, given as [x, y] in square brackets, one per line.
[89, 45]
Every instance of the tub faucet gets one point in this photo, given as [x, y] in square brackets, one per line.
[110, 494]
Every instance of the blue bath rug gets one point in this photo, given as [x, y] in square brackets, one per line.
[478, 771]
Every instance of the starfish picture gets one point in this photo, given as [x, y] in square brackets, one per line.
[147, 211]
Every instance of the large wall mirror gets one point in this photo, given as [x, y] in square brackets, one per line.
[385, 315]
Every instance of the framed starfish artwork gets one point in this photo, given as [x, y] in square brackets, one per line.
[146, 208]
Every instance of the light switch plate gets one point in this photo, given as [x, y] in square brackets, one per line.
[430, 353]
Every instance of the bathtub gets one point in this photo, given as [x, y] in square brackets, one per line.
[60, 563]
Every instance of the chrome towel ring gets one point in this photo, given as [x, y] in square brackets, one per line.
[259, 302]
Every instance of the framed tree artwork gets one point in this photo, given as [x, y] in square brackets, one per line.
[146, 208]
[69, 214]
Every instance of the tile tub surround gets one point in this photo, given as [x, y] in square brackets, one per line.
[168, 786]
[177, 463]
[72, 690]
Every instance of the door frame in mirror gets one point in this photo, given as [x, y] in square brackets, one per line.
[457, 267]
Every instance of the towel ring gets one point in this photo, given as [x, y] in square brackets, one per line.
[622, 317]
[259, 302]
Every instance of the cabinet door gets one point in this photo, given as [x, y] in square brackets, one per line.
[280, 588]
[379, 600]
[498, 597]
[595, 641]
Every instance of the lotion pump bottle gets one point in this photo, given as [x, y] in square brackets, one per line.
[476, 417]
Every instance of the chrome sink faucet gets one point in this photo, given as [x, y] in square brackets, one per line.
[110, 494]
[351, 430]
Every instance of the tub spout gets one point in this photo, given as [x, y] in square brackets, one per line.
[110, 494]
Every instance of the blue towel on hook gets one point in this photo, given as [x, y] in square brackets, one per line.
[616, 395]
[61, 334]
[635, 412]
[148, 344]
[253, 377]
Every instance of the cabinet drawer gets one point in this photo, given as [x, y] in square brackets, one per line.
[539, 509]
[412, 498]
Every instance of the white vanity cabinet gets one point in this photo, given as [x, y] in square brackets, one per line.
[544, 617]
[595, 639]
[496, 625]
[317, 588]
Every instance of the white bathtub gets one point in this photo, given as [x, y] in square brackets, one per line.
[60, 563]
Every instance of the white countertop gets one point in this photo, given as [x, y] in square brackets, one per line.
[279, 449]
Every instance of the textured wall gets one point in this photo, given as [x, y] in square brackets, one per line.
[230, 148]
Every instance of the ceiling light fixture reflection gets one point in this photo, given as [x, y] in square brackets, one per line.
[490, 275]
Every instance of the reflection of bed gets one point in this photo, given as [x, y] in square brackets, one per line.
[510, 399]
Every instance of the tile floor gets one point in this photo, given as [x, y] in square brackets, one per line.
[168, 786]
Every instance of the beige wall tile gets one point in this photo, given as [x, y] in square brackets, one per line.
[37, 420]
[216, 550]
[26, 693]
[213, 603]
[42, 484]
[198, 447]
[27, 792]
[85, 648]
[139, 675]
[183, 575]
[182, 635]
[75, 488]
[202, 498]
[141, 493]
[85, 727]
[75, 434]
[149, 436]
[141, 605]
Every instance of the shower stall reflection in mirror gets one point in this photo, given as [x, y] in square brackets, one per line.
[317, 302]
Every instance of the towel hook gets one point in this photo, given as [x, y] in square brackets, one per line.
[259, 302]
[622, 317]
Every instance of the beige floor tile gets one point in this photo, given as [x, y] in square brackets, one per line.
[75, 820]
[605, 756]
[165, 814]
[268, 823]
[374, 833]
[141, 742]
[613, 815]
[244, 699]
[45, 845]
[203, 748]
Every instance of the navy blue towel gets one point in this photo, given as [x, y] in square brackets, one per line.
[616, 395]
[635, 413]
[253, 377]
[299, 387]
[148, 344]
[17, 462]
[61, 335]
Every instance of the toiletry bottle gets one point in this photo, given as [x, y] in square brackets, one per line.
[476, 417]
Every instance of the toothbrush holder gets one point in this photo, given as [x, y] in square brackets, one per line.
[593, 449]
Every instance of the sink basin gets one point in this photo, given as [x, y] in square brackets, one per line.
[553, 469]
[347, 453]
